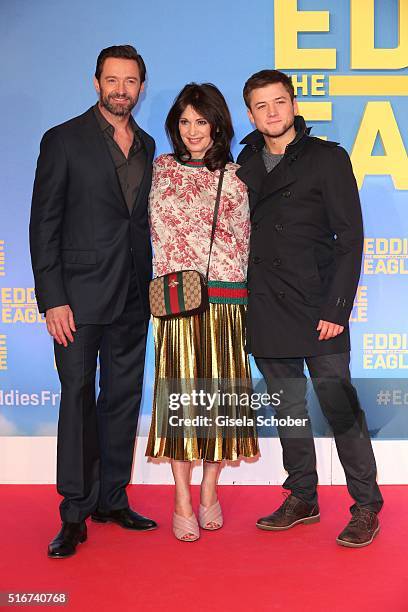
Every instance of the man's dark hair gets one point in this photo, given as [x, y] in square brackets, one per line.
[264, 78]
[121, 52]
[209, 102]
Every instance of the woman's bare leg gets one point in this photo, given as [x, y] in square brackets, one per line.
[182, 502]
[208, 496]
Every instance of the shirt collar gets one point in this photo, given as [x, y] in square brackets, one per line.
[105, 125]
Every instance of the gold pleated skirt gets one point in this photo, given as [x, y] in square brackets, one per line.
[202, 353]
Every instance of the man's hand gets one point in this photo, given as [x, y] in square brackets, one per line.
[328, 330]
[60, 324]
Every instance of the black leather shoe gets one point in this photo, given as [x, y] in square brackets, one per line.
[361, 530]
[126, 518]
[65, 543]
[292, 512]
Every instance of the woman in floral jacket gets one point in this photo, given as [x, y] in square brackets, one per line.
[204, 351]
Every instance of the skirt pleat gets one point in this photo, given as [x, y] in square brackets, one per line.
[204, 353]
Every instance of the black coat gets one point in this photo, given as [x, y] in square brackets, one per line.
[306, 245]
[82, 237]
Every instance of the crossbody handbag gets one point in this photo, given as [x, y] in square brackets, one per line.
[184, 293]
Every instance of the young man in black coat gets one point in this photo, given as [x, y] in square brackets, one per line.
[91, 257]
[304, 267]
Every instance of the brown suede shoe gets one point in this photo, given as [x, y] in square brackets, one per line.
[361, 530]
[292, 512]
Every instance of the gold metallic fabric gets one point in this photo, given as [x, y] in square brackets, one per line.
[205, 351]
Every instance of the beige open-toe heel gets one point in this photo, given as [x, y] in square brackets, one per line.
[212, 514]
[183, 527]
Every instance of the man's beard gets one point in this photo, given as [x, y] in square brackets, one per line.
[120, 110]
[283, 131]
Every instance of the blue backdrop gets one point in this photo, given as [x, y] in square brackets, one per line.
[48, 50]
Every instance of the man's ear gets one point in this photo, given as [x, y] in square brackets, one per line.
[250, 115]
[96, 85]
[142, 87]
[295, 107]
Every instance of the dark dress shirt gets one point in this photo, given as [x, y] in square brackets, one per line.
[129, 169]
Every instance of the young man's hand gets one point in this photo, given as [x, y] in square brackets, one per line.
[61, 324]
[329, 330]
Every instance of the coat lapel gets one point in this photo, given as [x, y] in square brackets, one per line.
[280, 177]
[253, 174]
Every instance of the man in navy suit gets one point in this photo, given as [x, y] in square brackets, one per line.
[91, 259]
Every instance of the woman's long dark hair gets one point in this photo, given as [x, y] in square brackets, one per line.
[209, 102]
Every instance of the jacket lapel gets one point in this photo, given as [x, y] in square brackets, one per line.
[100, 153]
[149, 158]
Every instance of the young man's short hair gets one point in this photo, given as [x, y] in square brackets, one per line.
[264, 78]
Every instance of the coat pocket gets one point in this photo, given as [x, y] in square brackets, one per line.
[310, 279]
[307, 269]
[78, 257]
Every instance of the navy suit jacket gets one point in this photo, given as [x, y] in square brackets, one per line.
[82, 236]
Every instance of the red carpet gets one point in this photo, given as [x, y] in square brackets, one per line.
[239, 568]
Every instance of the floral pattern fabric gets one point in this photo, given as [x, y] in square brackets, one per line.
[181, 208]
